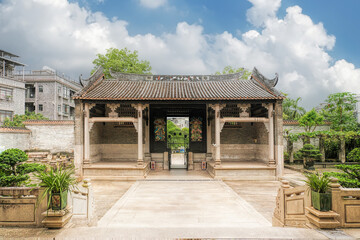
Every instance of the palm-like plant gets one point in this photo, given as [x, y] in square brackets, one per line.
[292, 110]
[56, 183]
[318, 182]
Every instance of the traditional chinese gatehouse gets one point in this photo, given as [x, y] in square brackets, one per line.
[229, 124]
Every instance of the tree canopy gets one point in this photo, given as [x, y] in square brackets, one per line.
[339, 110]
[291, 109]
[122, 60]
[230, 70]
[311, 120]
[19, 119]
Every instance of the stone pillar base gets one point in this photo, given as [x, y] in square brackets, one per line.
[322, 219]
[56, 219]
[140, 162]
[217, 163]
[191, 161]
[166, 161]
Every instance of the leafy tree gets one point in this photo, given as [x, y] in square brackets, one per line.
[311, 120]
[13, 172]
[230, 70]
[291, 109]
[122, 60]
[19, 119]
[339, 110]
[178, 137]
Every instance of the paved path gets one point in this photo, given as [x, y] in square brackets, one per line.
[182, 204]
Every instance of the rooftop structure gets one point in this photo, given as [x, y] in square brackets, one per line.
[12, 90]
[49, 93]
[235, 125]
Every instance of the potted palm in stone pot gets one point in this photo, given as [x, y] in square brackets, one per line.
[56, 183]
[320, 191]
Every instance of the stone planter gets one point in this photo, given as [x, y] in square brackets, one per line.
[321, 201]
[59, 200]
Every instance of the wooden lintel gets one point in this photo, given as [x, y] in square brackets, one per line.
[116, 119]
[244, 119]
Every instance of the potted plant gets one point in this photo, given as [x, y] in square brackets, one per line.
[56, 183]
[320, 191]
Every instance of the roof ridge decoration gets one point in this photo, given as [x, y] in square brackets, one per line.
[269, 84]
[175, 77]
[98, 74]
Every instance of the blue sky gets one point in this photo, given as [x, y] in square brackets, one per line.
[313, 45]
[339, 18]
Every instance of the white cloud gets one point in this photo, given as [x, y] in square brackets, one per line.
[262, 10]
[153, 3]
[67, 37]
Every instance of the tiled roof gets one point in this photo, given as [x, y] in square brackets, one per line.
[166, 87]
[14, 129]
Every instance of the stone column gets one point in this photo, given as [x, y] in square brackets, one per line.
[208, 132]
[271, 134]
[87, 128]
[140, 160]
[86, 134]
[217, 108]
[147, 132]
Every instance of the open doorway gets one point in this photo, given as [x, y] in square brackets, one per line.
[178, 141]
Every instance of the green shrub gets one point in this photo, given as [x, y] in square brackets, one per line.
[349, 177]
[13, 172]
[298, 155]
[310, 153]
[286, 156]
[354, 155]
[318, 182]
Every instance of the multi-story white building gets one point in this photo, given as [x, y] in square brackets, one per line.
[50, 93]
[12, 89]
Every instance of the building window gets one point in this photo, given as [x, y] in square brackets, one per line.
[6, 93]
[41, 89]
[66, 109]
[41, 107]
[65, 92]
[59, 108]
[5, 114]
[30, 91]
[59, 90]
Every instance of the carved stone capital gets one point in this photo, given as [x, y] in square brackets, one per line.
[91, 105]
[219, 106]
[265, 105]
[113, 107]
[245, 109]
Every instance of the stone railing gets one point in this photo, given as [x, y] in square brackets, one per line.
[18, 206]
[290, 205]
[293, 207]
[83, 204]
[346, 202]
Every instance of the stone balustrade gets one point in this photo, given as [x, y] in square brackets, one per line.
[293, 207]
[19, 206]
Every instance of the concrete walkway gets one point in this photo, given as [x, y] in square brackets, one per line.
[182, 204]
